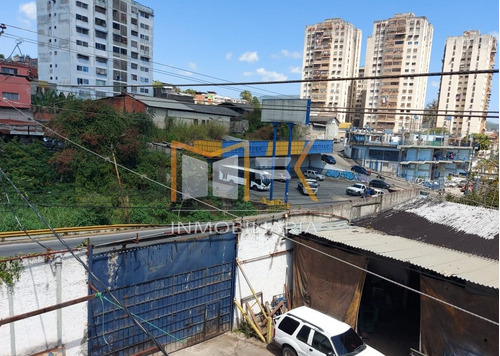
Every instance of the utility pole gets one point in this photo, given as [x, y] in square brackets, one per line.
[120, 185]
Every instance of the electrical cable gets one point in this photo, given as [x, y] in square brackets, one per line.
[85, 266]
[294, 241]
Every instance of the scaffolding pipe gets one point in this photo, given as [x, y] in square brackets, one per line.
[249, 320]
[59, 299]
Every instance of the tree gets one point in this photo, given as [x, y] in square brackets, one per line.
[191, 92]
[481, 141]
[246, 95]
[430, 115]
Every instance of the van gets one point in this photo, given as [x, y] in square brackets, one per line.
[304, 331]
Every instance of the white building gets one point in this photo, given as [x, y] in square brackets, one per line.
[96, 48]
[463, 99]
[398, 46]
[331, 50]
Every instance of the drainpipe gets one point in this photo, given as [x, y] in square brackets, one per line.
[59, 300]
[10, 292]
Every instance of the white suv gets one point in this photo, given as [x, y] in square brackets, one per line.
[307, 332]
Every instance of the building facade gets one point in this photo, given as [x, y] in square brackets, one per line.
[96, 48]
[331, 50]
[464, 98]
[398, 46]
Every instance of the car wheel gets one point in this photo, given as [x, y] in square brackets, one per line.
[288, 351]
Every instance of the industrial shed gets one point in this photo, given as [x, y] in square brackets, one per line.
[428, 282]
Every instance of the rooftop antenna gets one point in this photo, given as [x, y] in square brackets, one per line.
[18, 42]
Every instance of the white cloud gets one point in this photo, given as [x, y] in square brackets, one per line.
[295, 70]
[435, 84]
[28, 9]
[229, 56]
[247, 74]
[249, 57]
[270, 75]
[186, 73]
[192, 65]
[284, 53]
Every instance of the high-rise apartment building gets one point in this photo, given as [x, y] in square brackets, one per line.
[331, 50]
[398, 46]
[96, 48]
[464, 98]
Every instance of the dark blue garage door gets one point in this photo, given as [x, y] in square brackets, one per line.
[180, 291]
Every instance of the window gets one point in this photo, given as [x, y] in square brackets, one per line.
[82, 68]
[82, 56]
[101, 60]
[9, 71]
[134, 55]
[144, 69]
[134, 76]
[82, 18]
[144, 37]
[100, 46]
[116, 26]
[289, 325]
[82, 30]
[100, 82]
[101, 71]
[133, 21]
[81, 81]
[99, 9]
[133, 65]
[82, 5]
[101, 34]
[100, 22]
[144, 26]
[303, 334]
[82, 43]
[321, 343]
[144, 14]
[134, 33]
[145, 59]
[10, 96]
[144, 90]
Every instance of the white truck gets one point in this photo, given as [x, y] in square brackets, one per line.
[356, 189]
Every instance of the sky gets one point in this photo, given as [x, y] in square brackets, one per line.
[240, 42]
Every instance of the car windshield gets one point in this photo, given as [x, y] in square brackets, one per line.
[348, 343]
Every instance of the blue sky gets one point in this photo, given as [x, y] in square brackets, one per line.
[236, 41]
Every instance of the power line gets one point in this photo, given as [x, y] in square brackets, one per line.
[284, 237]
[85, 266]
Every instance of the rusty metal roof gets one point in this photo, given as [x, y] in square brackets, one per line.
[469, 229]
[444, 261]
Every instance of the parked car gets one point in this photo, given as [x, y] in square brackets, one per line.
[328, 159]
[372, 192]
[304, 331]
[378, 183]
[280, 176]
[313, 183]
[361, 170]
[356, 189]
[310, 173]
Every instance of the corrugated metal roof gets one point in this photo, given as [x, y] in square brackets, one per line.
[151, 101]
[446, 262]
[469, 229]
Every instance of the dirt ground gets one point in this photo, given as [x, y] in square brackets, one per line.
[230, 344]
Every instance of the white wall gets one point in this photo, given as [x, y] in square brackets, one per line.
[37, 289]
[266, 257]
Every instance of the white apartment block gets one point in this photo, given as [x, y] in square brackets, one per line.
[464, 98]
[331, 50]
[96, 48]
[398, 46]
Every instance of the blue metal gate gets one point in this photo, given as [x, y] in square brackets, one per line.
[180, 291]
